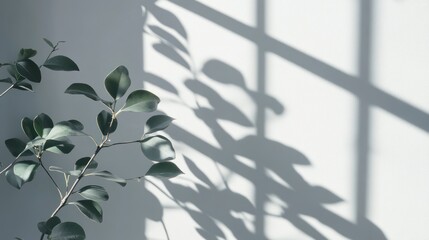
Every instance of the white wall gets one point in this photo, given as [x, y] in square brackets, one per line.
[294, 119]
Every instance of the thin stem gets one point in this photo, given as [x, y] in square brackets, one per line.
[119, 143]
[82, 174]
[7, 90]
[52, 179]
[49, 55]
[8, 166]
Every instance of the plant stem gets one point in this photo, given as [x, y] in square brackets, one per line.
[7, 90]
[64, 199]
[8, 166]
[119, 143]
[52, 179]
[49, 55]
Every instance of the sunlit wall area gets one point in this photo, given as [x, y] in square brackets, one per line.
[399, 131]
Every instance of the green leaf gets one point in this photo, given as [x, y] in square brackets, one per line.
[16, 146]
[14, 73]
[60, 146]
[29, 70]
[164, 170]
[48, 42]
[13, 180]
[24, 86]
[83, 89]
[27, 127]
[26, 53]
[90, 208]
[67, 231]
[104, 119]
[6, 80]
[158, 148]
[109, 176]
[157, 123]
[22, 172]
[61, 63]
[141, 101]
[46, 227]
[42, 124]
[33, 145]
[25, 170]
[66, 128]
[81, 163]
[117, 82]
[94, 192]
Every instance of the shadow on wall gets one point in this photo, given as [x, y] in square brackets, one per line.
[273, 175]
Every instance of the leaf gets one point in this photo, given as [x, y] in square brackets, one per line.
[27, 127]
[164, 170]
[13, 180]
[60, 146]
[26, 53]
[158, 148]
[66, 128]
[117, 82]
[141, 101]
[22, 172]
[14, 73]
[25, 170]
[46, 227]
[48, 42]
[24, 86]
[6, 80]
[81, 163]
[109, 176]
[83, 89]
[157, 123]
[29, 70]
[36, 143]
[42, 124]
[61, 63]
[16, 146]
[90, 208]
[94, 192]
[67, 231]
[104, 119]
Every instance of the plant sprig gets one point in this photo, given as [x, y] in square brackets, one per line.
[24, 70]
[45, 136]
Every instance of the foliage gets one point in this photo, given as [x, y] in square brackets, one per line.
[24, 70]
[43, 135]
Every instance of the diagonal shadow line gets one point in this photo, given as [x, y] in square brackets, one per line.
[377, 97]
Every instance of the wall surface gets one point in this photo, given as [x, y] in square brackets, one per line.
[294, 119]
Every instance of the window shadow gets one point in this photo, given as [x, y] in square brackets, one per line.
[274, 175]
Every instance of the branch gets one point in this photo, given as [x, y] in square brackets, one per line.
[8, 166]
[7, 90]
[52, 179]
[119, 143]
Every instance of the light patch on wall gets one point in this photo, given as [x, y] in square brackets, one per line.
[276, 178]
[398, 179]
[246, 161]
[400, 50]
[235, 9]
[324, 30]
